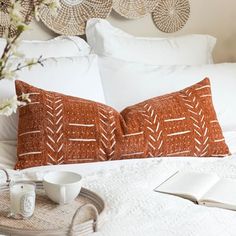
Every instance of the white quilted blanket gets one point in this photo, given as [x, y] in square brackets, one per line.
[134, 209]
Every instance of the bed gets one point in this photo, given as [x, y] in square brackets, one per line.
[133, 208]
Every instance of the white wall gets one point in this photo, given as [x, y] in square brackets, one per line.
[214, 17]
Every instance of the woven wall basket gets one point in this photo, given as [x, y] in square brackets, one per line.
[171, 15]
[27, 9]
[73, 15]
[134, 9]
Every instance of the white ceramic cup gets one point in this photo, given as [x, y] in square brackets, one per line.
[62, 187]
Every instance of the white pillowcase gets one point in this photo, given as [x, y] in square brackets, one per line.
[75, 76]
[230, 138]
[62, 46]
[106, 40]
[8, 154]
[126, 83]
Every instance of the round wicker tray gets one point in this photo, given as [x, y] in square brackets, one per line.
[73, 15]
[82, 217]
[171, 15]
[134, 9]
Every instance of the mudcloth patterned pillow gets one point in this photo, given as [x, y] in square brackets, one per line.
[59, 129]
[183, 123]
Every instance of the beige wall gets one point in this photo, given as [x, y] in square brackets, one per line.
[214, 17]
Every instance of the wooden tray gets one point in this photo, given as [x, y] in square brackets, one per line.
[82, 217]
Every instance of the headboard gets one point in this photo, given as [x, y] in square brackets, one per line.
[212, 17]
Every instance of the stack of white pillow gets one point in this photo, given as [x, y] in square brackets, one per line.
[120, 70]
[134, 69]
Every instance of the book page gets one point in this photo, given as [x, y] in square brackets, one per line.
[224, 192]
[191, 185]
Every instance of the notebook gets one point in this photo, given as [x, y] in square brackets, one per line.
[202, 188]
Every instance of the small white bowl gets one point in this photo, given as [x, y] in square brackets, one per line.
[62, 187]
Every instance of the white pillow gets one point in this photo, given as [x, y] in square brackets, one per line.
[106, 40]
[75, 76]
[230, 138]
[8, 154]
[62, 46]
[126, 83]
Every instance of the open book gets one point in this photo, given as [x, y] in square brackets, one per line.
[202, 188]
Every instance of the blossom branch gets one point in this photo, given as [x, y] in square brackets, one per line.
[29, 64]
[8, 106]
[7, 53]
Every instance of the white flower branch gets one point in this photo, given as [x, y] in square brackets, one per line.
[16, 19]
[9, 106]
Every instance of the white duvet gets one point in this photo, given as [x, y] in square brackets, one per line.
[134, 209]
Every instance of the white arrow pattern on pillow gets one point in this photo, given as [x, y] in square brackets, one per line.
[54, 131]
[155, 140]
[197, 117]
[107, 126]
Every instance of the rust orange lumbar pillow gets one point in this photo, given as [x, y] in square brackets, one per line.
[59, 129]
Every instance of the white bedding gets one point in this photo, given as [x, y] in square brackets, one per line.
[134, 209]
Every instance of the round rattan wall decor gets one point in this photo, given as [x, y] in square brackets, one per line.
[171, 15]
[26, 11]
[72, 16]
[134, 9]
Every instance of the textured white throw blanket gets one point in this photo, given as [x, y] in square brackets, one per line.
[134, 209]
